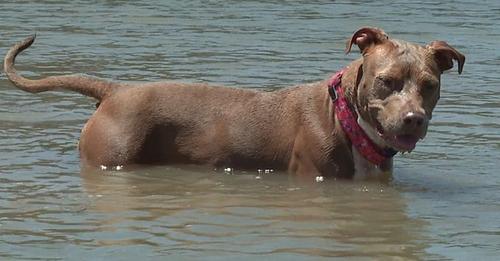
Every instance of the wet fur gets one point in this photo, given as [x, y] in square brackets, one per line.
[292, 129]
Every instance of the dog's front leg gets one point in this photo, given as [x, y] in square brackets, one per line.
[301, 162]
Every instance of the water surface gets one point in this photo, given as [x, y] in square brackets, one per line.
[442, 204]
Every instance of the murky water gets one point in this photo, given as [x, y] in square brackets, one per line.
[442, 204]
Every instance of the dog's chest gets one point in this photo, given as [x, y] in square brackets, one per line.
[363, 169]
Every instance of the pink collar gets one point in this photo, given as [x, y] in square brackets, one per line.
[349, 121]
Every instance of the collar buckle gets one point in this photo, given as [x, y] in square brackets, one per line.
[333, 93]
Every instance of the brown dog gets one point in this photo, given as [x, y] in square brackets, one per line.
[380, 104]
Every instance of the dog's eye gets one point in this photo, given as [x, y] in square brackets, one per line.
[390, 83]
[385, 80]
[430, 86]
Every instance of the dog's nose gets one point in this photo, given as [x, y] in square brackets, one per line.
[414, 120]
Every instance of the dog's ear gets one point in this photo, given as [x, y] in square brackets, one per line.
[445, 54]
[366, 37]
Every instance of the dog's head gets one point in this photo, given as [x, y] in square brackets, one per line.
[398, 86]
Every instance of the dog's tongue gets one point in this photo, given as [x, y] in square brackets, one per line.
[406, 142]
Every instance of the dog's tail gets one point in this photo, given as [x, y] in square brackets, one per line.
[86, 85]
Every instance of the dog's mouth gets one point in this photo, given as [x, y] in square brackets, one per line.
[400, 142]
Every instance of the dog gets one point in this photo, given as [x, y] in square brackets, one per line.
[354, 122]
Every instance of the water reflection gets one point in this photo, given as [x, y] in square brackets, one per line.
[183, 211]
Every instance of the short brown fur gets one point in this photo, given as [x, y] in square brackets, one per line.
[292, 129]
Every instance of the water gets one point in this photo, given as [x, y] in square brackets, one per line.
[442, 204]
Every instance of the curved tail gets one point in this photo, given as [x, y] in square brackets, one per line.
[86, 85]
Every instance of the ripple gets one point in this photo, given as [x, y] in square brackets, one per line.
[443, 203]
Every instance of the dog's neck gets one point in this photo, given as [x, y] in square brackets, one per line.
[370, 131]
[363, 169]
[350, 81]
[367, 161]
